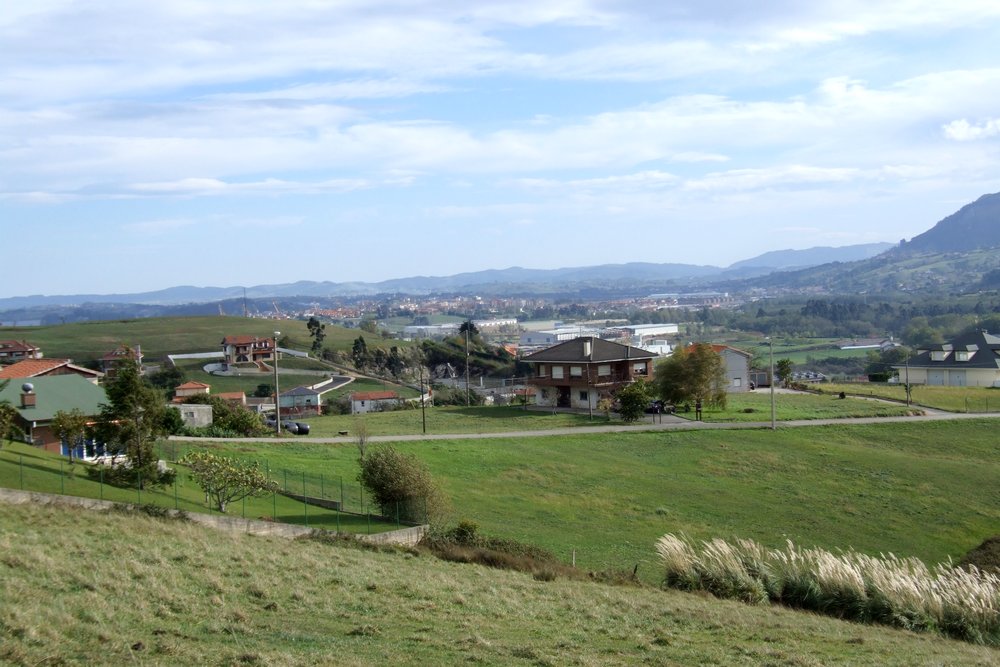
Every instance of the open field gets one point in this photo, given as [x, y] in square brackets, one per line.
[28, 468]
[85, 588]
[951, 399]
[160, 336]
[930, 490]
[447, 419]
[755, 406]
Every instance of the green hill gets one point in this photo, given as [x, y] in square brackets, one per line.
[82, 588]
[159, 336]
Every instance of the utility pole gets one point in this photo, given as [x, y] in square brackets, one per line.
[770, 347]
[423, 403]
[468, 400]
[277, 402]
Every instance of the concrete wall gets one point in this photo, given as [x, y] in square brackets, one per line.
[403, 537]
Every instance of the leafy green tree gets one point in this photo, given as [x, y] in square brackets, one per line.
[395, 364]
[469, 326]
[230, 417]
[264, 390]
[130, 423]
[359, 353]
[71, 428]
[317, 331]
[783, 370]
[7, 415]
[695, 372]
[400, 483]
[632, 400]
[226, 480]
[167, 378]
[369, 325]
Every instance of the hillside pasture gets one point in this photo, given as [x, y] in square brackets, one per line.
[174, 593]
[927, 489]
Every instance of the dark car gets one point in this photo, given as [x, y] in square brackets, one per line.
[660, 408]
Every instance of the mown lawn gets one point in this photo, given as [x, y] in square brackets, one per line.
[446, 419]
[85, 588]
[755, 406]
[951, 399]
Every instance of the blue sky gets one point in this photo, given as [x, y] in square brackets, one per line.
[241, 142]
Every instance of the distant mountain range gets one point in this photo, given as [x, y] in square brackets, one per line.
[607, 274]
[961, 252]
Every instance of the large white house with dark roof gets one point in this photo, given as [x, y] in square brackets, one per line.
[972, 360]
[579, 372]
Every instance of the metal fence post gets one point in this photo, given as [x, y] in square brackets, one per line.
[342, 492]
[62, 479]
[305, 503]
[176, 478]
[22, 471]
[102, 481]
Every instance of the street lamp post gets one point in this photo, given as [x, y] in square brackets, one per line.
[770, 348]
[277, 393]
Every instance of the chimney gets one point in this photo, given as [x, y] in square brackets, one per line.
[28, 396]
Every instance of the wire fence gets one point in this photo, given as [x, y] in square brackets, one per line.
[315, 500]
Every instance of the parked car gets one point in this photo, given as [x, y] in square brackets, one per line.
[660, 407]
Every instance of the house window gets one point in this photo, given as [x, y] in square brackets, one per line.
[575, 371]
[962, 356]
[737, 382]
[557, 372]
[583, 396]
[938, 355]
[541, 370]
[639, 368]
[604, 370]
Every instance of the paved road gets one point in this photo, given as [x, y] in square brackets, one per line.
[669, 423]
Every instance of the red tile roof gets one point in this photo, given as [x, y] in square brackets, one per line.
[232, 395]
[17, 346]
[192, 385]
[29, 368]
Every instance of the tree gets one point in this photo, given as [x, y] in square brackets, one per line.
[318, 332]
[70, 427]
[469, 326]
[226, 480]
[360, 354]
[395, 364]
[695, 372]
[783, 370]
[400, 483]
[632, 400]
[130, 422]
[7, 415]
[369, 325]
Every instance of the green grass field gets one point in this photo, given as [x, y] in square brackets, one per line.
[755, 406]
[84, 588]
[160, 336]
[31, 469]
[950, 399]
[924, 489]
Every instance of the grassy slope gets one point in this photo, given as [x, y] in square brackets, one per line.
[87, 588]
[28, 468]
[160, 336]
[930, 490]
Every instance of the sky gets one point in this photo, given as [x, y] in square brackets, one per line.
[245, 142]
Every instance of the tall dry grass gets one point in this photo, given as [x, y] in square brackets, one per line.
[902, 592]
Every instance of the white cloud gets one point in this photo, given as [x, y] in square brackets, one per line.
[963, 130]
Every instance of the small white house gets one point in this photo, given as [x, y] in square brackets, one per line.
[373, 401]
